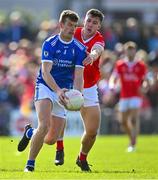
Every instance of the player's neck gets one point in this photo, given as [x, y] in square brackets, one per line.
[65, 38]
[86, 35]
[131, 58]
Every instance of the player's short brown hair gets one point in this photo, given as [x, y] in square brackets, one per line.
[73, 16]
[130, 44]
[96, 13]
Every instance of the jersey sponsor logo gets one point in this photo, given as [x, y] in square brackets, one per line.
[62, 63]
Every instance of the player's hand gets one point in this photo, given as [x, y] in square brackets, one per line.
[62, 97]
[88, 60]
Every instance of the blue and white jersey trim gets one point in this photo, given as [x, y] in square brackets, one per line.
[81, 47]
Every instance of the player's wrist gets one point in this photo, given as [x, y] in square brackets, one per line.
[58, 91]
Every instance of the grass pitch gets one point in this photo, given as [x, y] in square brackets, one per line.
[108, 157]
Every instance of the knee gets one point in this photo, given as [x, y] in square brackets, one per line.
[91, 134]
[49, 140]
[43, 129]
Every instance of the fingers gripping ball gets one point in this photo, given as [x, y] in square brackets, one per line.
[75, 100]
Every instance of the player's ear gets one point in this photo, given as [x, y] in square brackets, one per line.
[60, 24]
[99, 26]
[84, 20]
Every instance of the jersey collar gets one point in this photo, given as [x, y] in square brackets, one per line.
[65, 42]
[87, 40]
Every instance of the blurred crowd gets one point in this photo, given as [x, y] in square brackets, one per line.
[20, 51]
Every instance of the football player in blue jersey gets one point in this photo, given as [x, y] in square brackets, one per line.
[61, 69]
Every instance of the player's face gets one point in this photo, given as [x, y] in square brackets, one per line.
[131, 52]
[91, 24]
[68, 29]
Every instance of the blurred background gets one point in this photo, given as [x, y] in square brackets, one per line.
[25, 24]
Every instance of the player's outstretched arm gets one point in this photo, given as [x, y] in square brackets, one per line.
[96, 52]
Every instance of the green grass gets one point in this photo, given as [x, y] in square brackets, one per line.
[108, 156]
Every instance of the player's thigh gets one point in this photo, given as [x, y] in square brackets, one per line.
[44, 98]
[58, 120]
[135, 104]
[124, 116]
[56, 127]
[43, 109]
[91, 118]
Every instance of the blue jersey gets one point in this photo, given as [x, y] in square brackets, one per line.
[65, 56]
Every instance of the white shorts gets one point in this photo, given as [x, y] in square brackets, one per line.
[129, 103]
[43, 92]
[90, 96]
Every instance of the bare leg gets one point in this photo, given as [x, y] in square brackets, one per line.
[91, 120]
[134, 125]
[56, 130]
[43, 109]
[124, 121]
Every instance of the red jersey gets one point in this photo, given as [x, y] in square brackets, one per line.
[131, 75]
[91, 72]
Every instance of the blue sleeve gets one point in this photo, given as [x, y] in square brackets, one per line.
[81, 55]
[47, 52]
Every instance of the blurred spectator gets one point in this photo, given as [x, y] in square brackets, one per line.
[28, 79]
[153, 39]
[3, 30]
[3, 55]
[132, 31]
[118, 50]
[46, 29]
[110, 37]
[17, 28]
[142, 55]
[119, 31]
[152, 92]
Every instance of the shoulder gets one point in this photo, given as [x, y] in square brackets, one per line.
[79, 45]
[120, 62]
[99, 38]
[52, 40]
[78, 30]
[142, 65]
[98, 35]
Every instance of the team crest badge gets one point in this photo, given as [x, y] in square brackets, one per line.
[46, 53]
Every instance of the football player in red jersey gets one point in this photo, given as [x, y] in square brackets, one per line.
[131, 73]
[94, 41]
